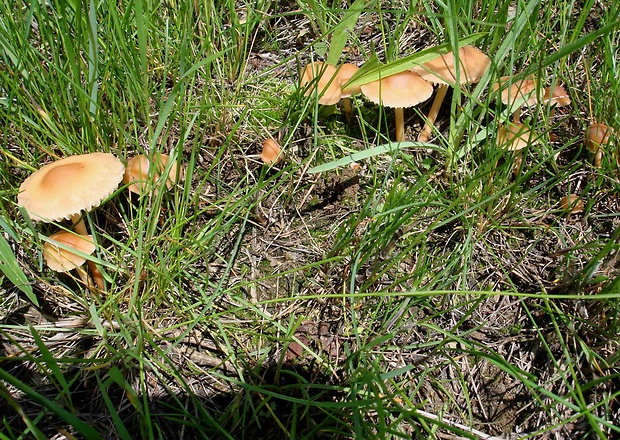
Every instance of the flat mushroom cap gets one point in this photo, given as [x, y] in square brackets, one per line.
[441, 70]
[345, 72]
[515, 136]
[61, 189]
[404, 89]
[527, 88]
[328, 84]
[62, 260]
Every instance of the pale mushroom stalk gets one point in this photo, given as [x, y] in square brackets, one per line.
[86, 279]
[348, 109]
[425, 134]
[399, 116]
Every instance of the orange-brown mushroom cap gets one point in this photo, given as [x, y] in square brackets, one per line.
[442, 70]
[527, 88]
[404, 89]
[271, 153]
[345, 72]
[137, 173]
[515, 136]
[321, 78]
[556, 95]
[62, 260]
[597, 135]
[61, 189]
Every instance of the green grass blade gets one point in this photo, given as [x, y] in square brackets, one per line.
[10, 268]
[82, 427]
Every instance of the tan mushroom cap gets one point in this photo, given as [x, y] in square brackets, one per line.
[527, 88]
[137, 173]
[62, 260]
[597, 135]
[442, 70]
[345, 72]
[556, 95]
[61, 189]
[271, 152]
[572, 204]
[328, 84]
[515, 136]
[404, 89]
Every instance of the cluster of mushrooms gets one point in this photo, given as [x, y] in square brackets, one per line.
[64, 188]
[409, 88]
[404, 89]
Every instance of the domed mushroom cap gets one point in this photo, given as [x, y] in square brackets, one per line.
[322, 77]
[62, 260]
[556, 95]
[137, 173]
[597, 135]
[271, 152]
[515, 136]
[345, 72]
[442, 70]
[61, 189]
[404, 89]
[527, 88]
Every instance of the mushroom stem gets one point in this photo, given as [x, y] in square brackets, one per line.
[78, 224]
[516, 116]
[598, 158]
[80, 227]
[348, 109]
[399, 115]
[87, 280]
[425, 134]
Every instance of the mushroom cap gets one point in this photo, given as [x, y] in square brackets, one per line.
[137, 173]
[327, 86]
[527, 88]
[597, 135]
[515, 136]
[61, 189]
[441, 70]
[271, 152]
[62, 260]
[556, 95]
[572, 204]
[345, 72]
[404, 89]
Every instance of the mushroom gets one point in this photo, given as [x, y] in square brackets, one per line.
[271, 154]
[597, 135]
[556, 96]
[63, 189]
[137, 173]
[63, 260]
[404, 89]
[345, 72]
[442, 70]
[321, 78]
[571, 204]
[515, 136]
[526, 89]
